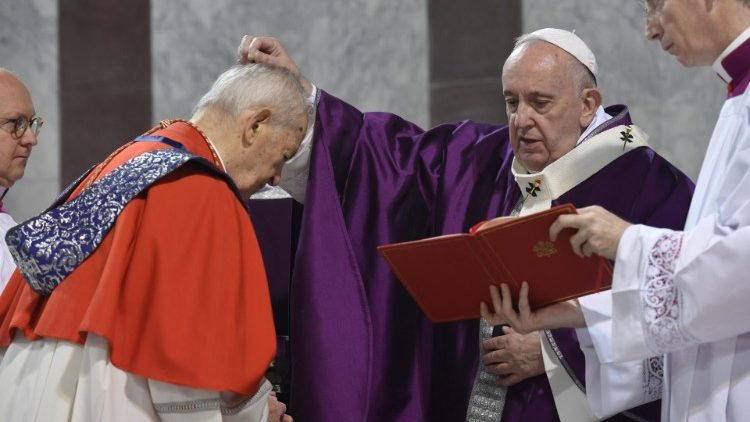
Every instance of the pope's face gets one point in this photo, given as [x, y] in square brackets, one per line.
[15, 102]
[680, 26]
[545, 113]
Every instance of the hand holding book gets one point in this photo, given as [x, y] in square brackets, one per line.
[598, 231]
[448, 275]
[562, 314]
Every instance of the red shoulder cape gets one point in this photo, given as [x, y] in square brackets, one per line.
[177, 286]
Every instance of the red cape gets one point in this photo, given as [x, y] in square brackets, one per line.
[177, 286]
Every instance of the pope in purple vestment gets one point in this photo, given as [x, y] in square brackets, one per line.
[361, 349]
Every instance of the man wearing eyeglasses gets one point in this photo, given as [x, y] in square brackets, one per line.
[680, 294]
[18, 135]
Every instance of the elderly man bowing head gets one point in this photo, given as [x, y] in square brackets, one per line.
[145, 281]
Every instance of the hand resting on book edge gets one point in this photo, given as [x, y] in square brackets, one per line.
[598, 231]
[564, 314]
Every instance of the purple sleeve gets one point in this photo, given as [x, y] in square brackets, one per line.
[361, 348]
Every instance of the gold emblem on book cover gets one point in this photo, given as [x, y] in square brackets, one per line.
[544, 249]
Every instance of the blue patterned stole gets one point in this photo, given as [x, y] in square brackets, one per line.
[50, 246]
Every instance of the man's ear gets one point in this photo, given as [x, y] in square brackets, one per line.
[591, 100]
[253, 121]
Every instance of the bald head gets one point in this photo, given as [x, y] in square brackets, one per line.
[14, 97]
[15, 104]
[5, 73]
[9, 80]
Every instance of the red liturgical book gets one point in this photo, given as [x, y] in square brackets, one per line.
[449, 275]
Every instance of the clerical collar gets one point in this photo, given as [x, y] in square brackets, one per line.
[733, 64]
[599, 119]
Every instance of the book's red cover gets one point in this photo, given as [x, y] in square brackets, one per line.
[449, 275]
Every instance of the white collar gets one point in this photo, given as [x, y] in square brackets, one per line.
[600, 117]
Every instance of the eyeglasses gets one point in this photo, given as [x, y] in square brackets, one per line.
[652, 7]
[20, 124]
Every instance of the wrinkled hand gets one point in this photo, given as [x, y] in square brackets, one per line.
[563, 314]
[277, 410]
[599, 231]
[269, 50]
[513, 357]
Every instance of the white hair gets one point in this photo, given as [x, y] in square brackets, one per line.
[577, 71]
[7, 71]
[257, 85]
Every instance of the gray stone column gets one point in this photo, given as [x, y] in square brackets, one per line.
[105, 78]
[469, 42]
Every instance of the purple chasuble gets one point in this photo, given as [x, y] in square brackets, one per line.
[361, 349]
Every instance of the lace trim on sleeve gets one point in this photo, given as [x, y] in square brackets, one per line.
[660, 297]
[653, 378]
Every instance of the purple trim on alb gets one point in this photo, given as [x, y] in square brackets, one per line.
[740, 88]
[737, 64]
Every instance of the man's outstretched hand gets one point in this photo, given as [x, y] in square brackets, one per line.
[269, 50]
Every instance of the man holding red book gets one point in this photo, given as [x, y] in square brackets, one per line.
[361, 349]
[679, 294]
